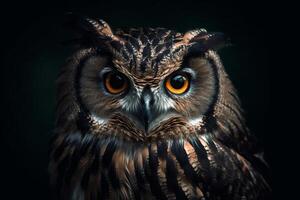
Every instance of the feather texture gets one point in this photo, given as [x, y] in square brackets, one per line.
[198, 146]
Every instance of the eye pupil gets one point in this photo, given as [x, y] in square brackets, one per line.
[116, 81]
[178, 81]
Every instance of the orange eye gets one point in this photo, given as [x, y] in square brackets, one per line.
[115, 83]
[178, 84]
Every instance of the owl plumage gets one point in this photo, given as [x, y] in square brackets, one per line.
[127, 129]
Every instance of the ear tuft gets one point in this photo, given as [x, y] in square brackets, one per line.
[90, 30]
[206, 41]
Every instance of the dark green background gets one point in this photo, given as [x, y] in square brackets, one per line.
[31, 32]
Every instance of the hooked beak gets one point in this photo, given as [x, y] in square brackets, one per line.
[147, 116]
[147, 113]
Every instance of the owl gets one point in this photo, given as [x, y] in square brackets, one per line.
[150, 113]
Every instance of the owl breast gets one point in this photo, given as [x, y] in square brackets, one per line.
[197, 167]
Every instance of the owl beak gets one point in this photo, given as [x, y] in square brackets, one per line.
[147, 101]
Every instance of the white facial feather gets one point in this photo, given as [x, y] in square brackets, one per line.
[162, 102]
[131, 102]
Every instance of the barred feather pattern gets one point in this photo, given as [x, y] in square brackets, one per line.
[207, 161]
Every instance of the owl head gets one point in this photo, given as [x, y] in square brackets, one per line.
[141, 84]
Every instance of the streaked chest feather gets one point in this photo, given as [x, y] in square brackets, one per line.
[90, 168]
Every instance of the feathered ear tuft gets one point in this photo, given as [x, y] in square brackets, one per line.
[91, 31]
[203, 41]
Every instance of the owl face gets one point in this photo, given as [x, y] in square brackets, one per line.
[179, 93]
[143, 83]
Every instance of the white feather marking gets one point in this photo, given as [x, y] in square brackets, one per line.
[97, 119]
[129, 104]
[196, 121]
[163, 102]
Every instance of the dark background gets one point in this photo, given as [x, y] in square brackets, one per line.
[31, 32]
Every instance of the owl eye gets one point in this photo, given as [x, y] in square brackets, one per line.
[115, 83]
[178, 83]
